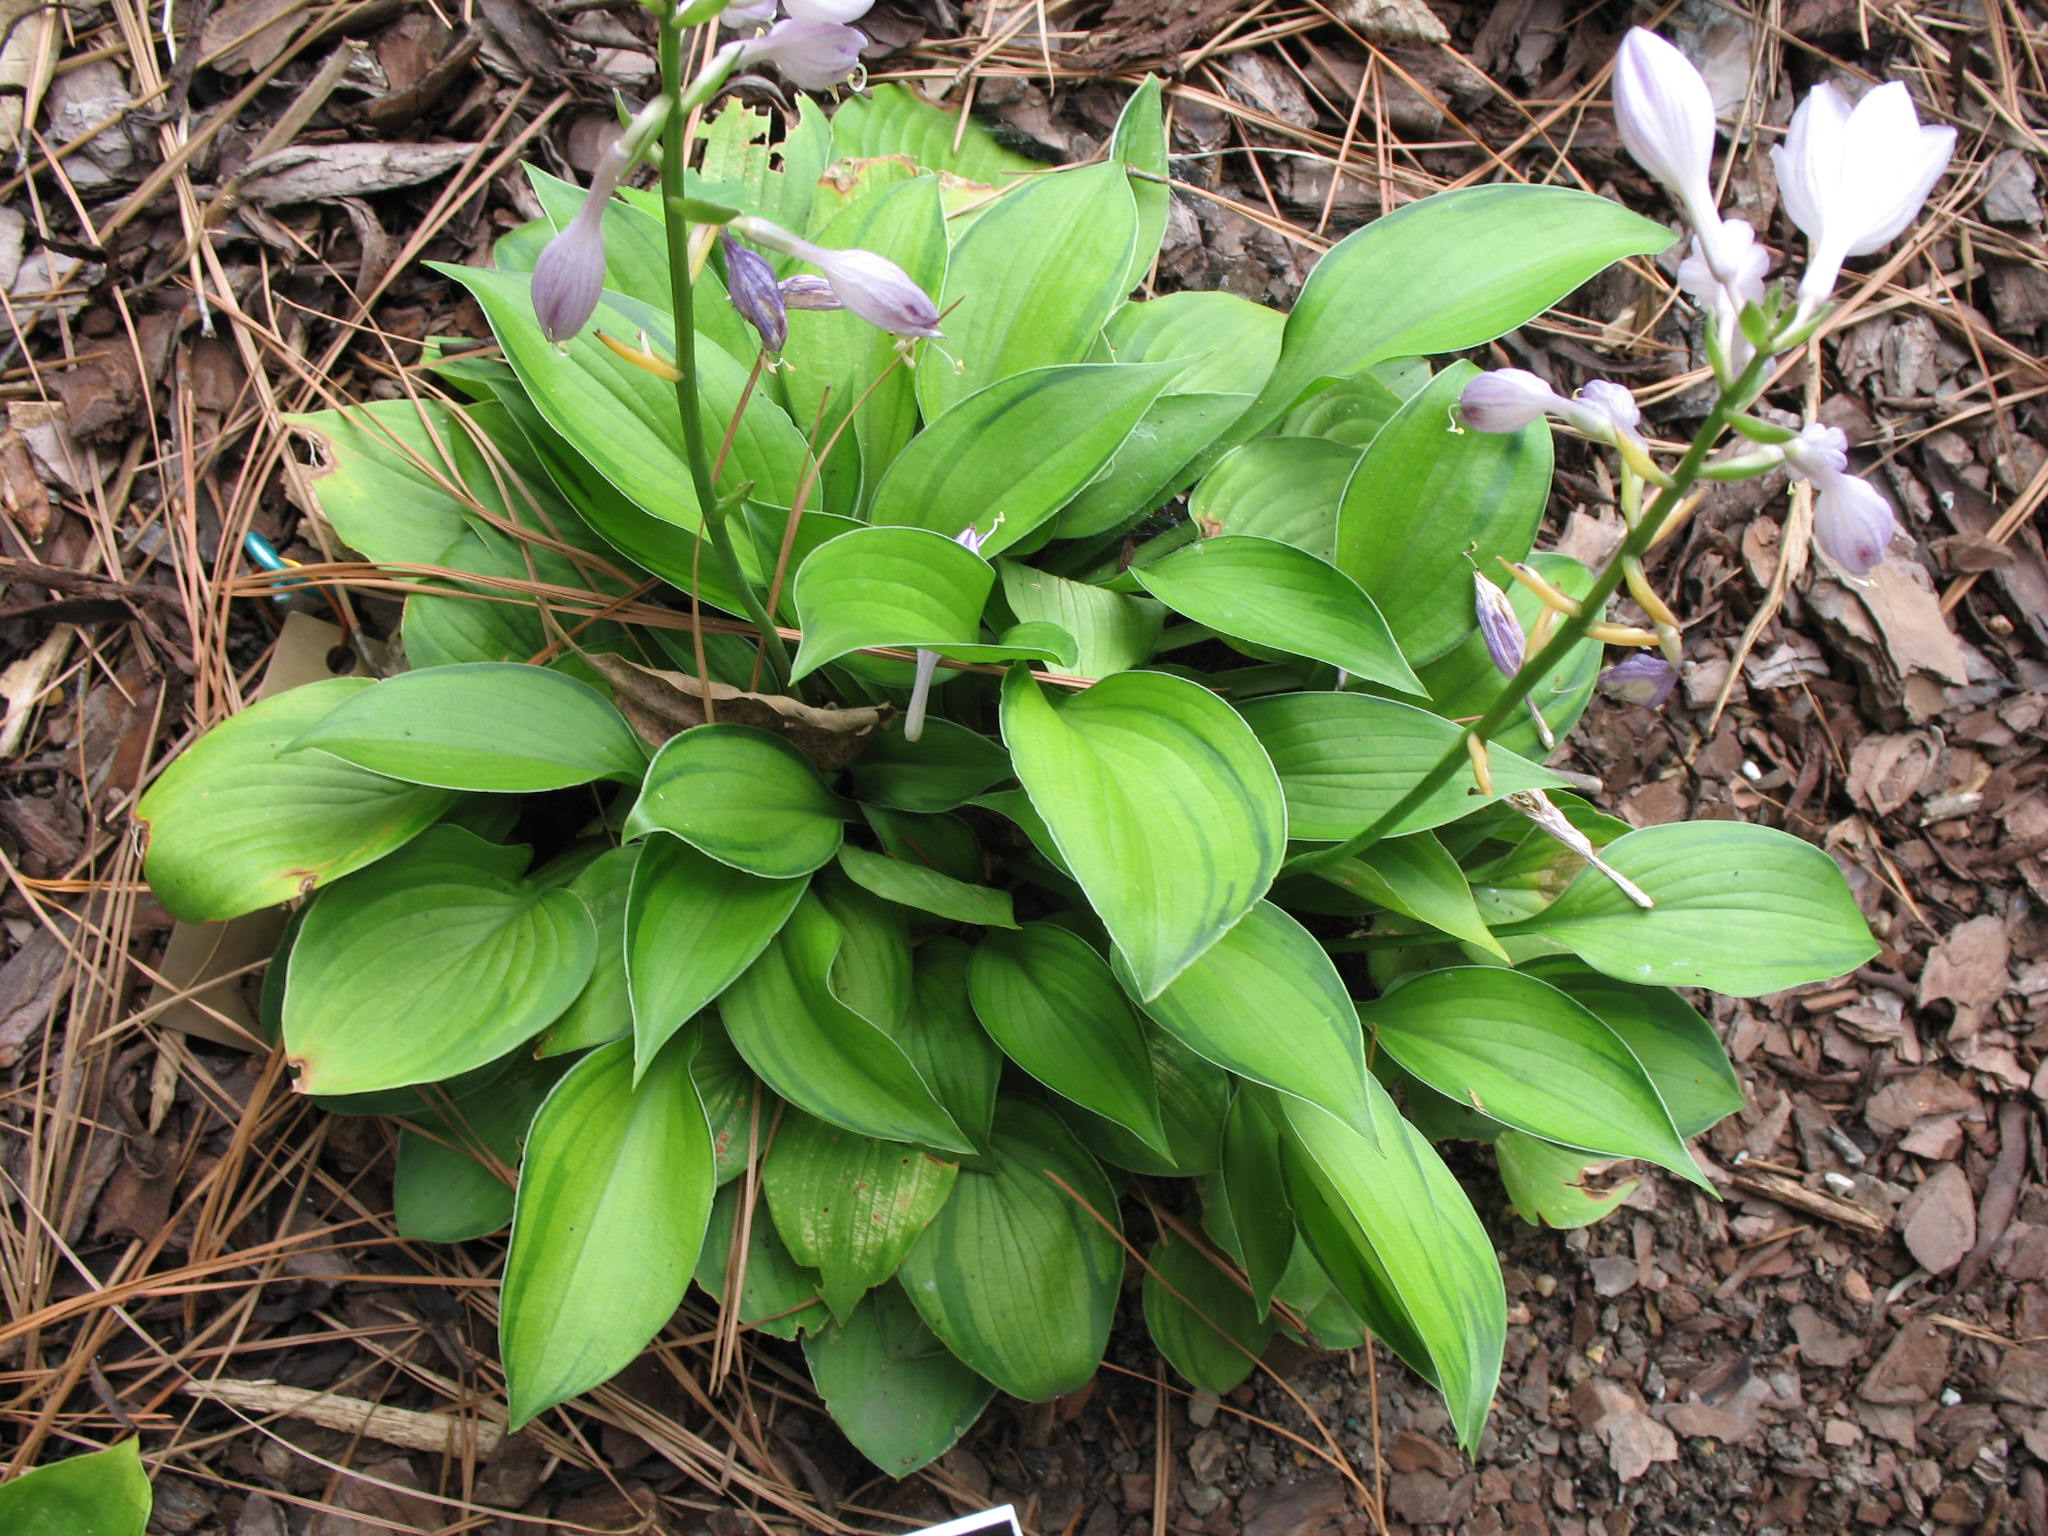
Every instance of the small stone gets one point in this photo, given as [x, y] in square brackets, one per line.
[1420, 1498]
[1202, 1408]
[1913, 1368]
[2022, 1377]
[1208, 1453]
[1411, 1452]
[1703, 1421]
[1612, 1276]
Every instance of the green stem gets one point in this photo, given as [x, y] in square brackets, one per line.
[675, 153]
[1732, 399]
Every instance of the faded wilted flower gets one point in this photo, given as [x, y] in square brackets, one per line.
[751, 285]
[1505, 642]
[1852, 522]
[812, 55]
[872, 286]
[1853, 177]
[1641, 679]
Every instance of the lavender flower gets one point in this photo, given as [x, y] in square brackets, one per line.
[568, 279]
[751, 285]
[804, 291]
[1724, 299]
[747, 13]
[841, 11]
[1641, 679]
[1508, 399]
[812, 55]
[1852, 522]
[1853, 177]
[872, 286]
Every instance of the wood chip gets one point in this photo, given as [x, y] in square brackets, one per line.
[1813, 1202]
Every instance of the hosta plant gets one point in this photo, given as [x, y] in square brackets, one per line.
[909, 744]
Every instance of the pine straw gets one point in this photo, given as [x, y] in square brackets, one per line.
[106, 1341]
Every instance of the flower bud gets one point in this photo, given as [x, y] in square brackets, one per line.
[1502, 631]
[872, 286]
[1641, 679]
[1852, 522]
[742, 14]
[1603, 411]
[1506, 400]
[812, 55]
[750, 284]
[568, 279]
[1666, 116]
[840, 11]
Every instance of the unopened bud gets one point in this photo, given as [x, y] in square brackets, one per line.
[1506, 400]
[871, 286]
[568, 279]
[804, 291]
[1642, 679]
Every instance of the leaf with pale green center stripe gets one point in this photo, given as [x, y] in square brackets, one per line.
[1523, 1053]
[1744, 910]
[1136, 753]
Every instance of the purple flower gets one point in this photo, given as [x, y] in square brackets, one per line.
[568, 279]
[828, 10]
[1852, 522]
[747, 13]
[1604, 410]
[812, 55]
[1642, 679]
[805, 291]
[750, 284]
[872, 286]
[1505, 642]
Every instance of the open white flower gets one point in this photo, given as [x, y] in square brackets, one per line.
[1853, 177]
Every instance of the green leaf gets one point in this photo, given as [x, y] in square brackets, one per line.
[738, 1108]
[777, 1295]
[893, 119]
[1137, 753]
[1345, 759]
[394, 470]
[1415, 877]
[692, 926]
[435, 960]
[1194, 1098]
[1521, 1052]
[614, 1196]
[1740, 909]
[1146, 471]
[1139, 144]
[891, 1386]
[1200, 1317]
[1016, 1277]
[603, 1010]
[849, 1206]
[453, 1177]
[1677, 1047]
[1050, 1002]
[1113, 632]
[1249, 1189]
[946, 767]
[1284, 488]
[1302, 1035]
[1401, 1234]
[926, 890]
[820, 1054]
[102, 1493]
[1032, 280]
[1020, 448]
[746, 797]
[504, 728]
[237, 823]
[871, 974]
[1546, 1182]
[903, 587]
[1275, 595]
[1445, 273]
[1426, 501]
[944, 1041]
